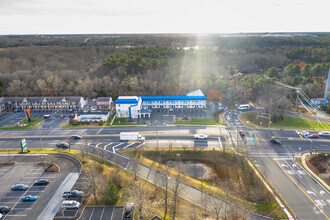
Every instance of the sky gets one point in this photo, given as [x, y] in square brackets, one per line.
[162, 16]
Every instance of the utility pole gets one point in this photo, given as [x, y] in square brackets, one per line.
[157, 133]
[297, 91]
[270, 115]
[41, 145]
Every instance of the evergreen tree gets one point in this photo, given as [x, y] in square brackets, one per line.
[112, 195]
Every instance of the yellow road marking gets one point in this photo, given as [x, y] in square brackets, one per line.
[301, 189]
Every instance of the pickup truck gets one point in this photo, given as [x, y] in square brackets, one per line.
[73, 194]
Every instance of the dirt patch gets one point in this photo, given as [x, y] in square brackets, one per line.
[7, 163]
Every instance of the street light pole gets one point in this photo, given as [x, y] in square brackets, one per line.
[157, 133]
[41, 145]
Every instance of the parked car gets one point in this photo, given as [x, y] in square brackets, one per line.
[46, 116]
[29, 198]
[76, 137]
[19, 187]
[62, 116]
[313, 136]
[242, 133]
[129, 211]
[200, 136]
[4, 209]
[275, 141]
[69, 204]
[324, 133]
[73, 194]
[41, 182]
[63, 145]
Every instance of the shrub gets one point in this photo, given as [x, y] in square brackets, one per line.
[112, 195]
[321, 168]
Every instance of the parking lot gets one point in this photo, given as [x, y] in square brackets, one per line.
[26, 172]
[103, 213]
[54, 121]
[163, 116]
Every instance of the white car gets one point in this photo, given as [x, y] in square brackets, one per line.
[69, 204]
[304, 133]
[324, 133]
[200, 136]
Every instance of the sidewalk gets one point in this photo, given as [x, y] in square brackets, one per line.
[303, 160]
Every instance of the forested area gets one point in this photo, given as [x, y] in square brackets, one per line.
[235, 68]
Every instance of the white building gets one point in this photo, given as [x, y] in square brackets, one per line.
[194, 99]
[139, 107]
[130, 107]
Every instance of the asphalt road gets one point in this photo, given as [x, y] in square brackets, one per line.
[269, 158]
[300, 191]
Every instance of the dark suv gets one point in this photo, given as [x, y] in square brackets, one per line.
[275, 141]
[4, 209]
[63, 145]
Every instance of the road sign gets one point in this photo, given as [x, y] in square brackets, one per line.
[23, 144]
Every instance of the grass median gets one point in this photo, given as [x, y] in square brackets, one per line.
[33, 124]
[288, 122]
[197, 121]
[242, 179]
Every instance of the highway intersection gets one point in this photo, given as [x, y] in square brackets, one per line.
[306, 197]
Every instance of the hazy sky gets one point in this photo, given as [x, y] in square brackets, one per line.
[165, 16]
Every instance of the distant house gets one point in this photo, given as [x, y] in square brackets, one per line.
[2, 105]
[75, 103]
[91, 105]
[104, 103]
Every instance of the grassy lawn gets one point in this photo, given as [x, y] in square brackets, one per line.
[198, 121]
[224, 162]
[125, 121]
[120, 121]
[129, 188]
[33, 124]
[288, 122]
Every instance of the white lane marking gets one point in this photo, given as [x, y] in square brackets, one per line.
[140, 145]
[114, 147]
[105, 147]
[292, 169]
[311, 192]
[97, 145]
[128, 145]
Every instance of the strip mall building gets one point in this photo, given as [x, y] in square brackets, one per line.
[140, 106]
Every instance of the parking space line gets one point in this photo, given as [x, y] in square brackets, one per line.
[22, 208]
[90, 217]
[102, 213]
[113, 211]
[16, 215]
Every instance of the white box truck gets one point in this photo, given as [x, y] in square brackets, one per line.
[131, 136]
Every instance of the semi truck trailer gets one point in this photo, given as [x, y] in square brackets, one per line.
[131, 136]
